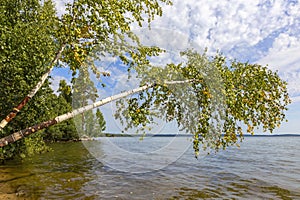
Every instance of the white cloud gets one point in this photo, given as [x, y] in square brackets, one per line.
[286, 61]
[55, 82]
[224, 25]
[283, 59]
[60, 6]
[285, 42]
[296, 99]
[230, 25]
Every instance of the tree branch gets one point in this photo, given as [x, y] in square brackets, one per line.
[17, 109]
[28, 131]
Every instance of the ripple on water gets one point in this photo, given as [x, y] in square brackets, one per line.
[70, 172]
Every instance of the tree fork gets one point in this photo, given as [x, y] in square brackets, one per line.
[17, 109]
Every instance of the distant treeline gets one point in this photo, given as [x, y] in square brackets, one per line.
[188, 135]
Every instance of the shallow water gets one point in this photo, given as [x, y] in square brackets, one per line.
[263, 168]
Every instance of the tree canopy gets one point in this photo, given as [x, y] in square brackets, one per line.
[25, 53]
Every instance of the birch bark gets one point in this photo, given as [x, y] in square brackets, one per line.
[17, 109]
[28, 131]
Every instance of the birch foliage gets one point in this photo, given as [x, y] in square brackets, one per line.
[218, 104]
[27, 47]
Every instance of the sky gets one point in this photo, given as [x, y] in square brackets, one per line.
[257, 31]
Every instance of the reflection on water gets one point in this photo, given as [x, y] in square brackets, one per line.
[60, 173]
[264, 168]
[134, 155]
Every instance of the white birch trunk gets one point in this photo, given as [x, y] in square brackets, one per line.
[25, 132]
[44, 77]
[14, 112]
[100, 103]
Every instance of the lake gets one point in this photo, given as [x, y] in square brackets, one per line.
[157, 168]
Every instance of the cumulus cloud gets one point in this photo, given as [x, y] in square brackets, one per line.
[60, 6]
[55, 82]
[225, 24]
[286, 61]
[239, 28]
[260, 31]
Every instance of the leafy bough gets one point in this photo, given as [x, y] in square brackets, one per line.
[207, 98]
[220, 104]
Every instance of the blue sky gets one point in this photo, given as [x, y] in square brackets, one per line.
[258, 31]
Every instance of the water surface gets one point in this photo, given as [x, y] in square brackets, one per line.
[263, 168]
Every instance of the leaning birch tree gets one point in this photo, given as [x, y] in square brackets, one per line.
[213, 101]
[250, 95]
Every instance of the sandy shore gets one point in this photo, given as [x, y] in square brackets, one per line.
[11, 196]
[6, 189]
[8, 196]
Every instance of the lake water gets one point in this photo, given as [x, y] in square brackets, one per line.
[157, 168]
